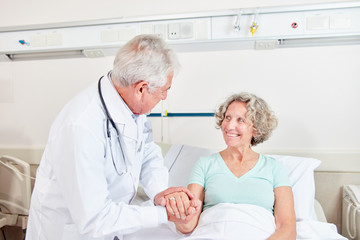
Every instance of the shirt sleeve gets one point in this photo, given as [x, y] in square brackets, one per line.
[281, 178]
[198, 173]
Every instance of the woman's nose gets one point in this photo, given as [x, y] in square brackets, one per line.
[229, 125]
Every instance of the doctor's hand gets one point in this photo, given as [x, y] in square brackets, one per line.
[180, 208]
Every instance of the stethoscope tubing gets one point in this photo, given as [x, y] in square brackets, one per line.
[111, 121]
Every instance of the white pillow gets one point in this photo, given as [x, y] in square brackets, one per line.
[181, 158]
[301, 176]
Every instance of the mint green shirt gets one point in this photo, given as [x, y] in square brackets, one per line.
[254, 187]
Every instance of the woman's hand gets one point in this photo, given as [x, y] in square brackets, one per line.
[159, 199]
[180, 207]
[180, 203]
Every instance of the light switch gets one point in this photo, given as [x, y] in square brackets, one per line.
[54, 39]
[109, 35]
[126, 34]
[38, 40]
[317, 23]
[202, 29]
[160, 30]
[146, 29]
[340, 22]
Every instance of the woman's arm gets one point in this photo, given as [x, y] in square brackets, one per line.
[284, 213]
[198, 191]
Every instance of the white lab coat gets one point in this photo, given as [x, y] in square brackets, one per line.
[78, 194]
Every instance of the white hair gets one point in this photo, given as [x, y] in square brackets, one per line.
[144, 58]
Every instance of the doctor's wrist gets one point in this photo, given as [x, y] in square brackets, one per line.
[162, 215]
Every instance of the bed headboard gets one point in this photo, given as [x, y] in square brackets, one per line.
[329, 188]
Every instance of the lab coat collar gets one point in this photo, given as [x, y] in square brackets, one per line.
[119, 111]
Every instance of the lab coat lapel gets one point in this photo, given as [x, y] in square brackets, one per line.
[118, 110]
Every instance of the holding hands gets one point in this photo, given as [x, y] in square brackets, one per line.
[181, 205]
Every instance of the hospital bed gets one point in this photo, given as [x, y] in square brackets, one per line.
[179, 159]
[351, 212]
[15, 191]
[229, 221]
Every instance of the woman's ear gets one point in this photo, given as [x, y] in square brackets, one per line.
[255, 133]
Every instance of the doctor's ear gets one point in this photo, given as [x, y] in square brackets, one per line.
[141, 86]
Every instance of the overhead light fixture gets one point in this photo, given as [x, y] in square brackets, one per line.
[90, 53]
[45, 55]
[318, 41]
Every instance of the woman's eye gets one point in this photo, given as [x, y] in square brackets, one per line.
[241, 120]
[227, 118]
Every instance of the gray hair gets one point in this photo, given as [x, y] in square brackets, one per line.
[259, 114]
[144, 58]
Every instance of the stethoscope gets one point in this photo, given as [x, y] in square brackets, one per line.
[109, 120]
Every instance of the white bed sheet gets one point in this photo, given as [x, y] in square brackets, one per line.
[237, 221]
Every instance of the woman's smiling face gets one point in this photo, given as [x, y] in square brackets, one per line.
[237, 130]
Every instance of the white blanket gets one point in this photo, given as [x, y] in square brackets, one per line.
[237, 221]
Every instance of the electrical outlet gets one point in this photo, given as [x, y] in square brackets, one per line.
[174, 30]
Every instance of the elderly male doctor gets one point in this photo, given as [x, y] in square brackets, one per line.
[100, 147]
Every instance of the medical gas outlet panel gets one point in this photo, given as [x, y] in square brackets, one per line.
[260, 28]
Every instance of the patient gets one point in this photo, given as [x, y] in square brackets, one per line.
[238, 174]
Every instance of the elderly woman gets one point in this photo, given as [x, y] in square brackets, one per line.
[240, 175]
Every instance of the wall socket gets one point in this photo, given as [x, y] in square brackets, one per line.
[182, 30]
[174, 30]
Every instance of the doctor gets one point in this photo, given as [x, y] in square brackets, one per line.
[100, 147]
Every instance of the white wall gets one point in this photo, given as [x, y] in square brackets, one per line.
[314, 91]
